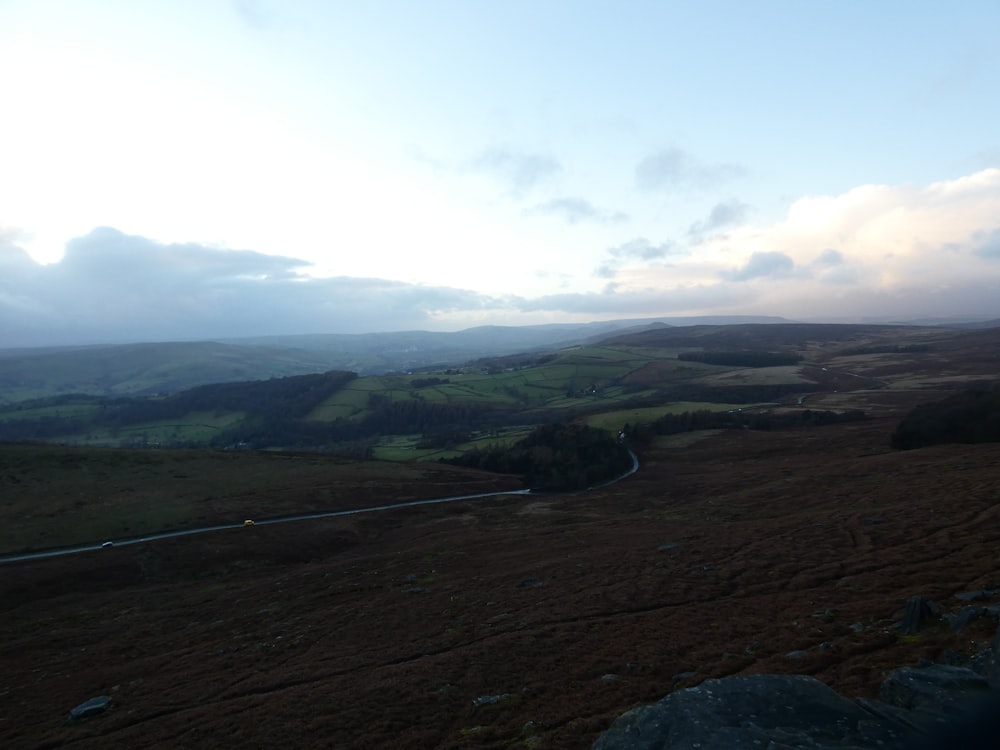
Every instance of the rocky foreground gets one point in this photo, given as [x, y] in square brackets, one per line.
[926, 707]
[728, 580]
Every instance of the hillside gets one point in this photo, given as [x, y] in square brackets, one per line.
[529, 620]
[439, 413]
[151, 368]
[143, 369]
[496, 622]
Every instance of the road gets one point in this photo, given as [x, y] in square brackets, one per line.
[286, 519]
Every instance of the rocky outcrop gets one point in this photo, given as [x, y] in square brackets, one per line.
[920, 708]
[749, 713]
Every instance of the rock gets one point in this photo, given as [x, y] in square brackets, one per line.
[992, 670]
[492, 700]
[937, 689]
[917, 611]
[975, 596]
[750, 713]
[89, 708]
[966, 615]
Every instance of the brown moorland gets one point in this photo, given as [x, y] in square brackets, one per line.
[510, 621]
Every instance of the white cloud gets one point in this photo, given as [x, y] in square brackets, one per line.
[874, 251]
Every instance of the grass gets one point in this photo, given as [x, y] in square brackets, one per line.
[574, 379]
[404, 447]
[614, 420]
[13, 413]
[56, 496]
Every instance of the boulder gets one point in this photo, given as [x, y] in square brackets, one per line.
[754, 712]
[940, 690]
[89, 708]
[917, 612]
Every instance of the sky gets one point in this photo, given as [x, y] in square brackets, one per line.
[191, 169]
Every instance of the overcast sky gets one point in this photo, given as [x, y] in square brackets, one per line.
[208, 168]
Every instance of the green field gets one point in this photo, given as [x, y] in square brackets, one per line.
[576, 378]
[394, 413]
[615, 420]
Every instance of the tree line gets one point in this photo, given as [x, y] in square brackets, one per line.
[555, 456]
[747, 358]
[972, 416]
[703, 419]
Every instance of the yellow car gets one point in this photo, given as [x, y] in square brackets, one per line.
[248, 522]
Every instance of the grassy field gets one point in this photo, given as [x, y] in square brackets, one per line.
[573, 379]
[614, 420]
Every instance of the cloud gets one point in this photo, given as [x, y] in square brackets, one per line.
[116, 257]
[575, 211]
[904, 251]
[772, 264]
[831, 267]
[646, 302]
[675, 170]
[830, 257]
[875, 252]
[637, 250]
[722, 215]
[989, 244]
[14, 260]
[519, 170]
[116, 287]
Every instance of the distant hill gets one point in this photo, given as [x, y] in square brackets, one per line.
[143, 369]
[151, 368]
[753, 335]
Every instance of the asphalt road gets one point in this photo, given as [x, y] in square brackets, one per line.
[269, 522]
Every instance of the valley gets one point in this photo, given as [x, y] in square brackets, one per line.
[512, 621]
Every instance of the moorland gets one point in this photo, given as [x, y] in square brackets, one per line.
[774, 525]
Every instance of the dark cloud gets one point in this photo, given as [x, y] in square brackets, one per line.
[114, 287]
[672, 169]
[722, 215]
[113, 257]
[772, 264]
[575, 211]
[521, 171]
[639, 249]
